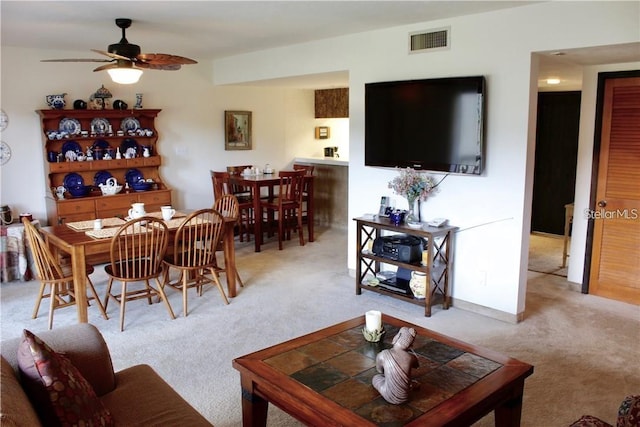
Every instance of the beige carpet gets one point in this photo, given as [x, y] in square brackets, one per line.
[545, 254]
[585, 349]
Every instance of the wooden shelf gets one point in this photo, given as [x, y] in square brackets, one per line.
[438, 271]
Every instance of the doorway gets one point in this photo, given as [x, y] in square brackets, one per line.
[555, 160]
[554, 179]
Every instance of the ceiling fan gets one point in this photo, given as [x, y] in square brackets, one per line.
[126, 62]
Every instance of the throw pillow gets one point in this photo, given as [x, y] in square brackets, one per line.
[58, 390]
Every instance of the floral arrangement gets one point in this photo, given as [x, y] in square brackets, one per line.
[413, 185]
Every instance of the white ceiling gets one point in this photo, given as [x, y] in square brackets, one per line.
[205, 30]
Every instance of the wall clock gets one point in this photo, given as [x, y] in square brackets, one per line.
[5, 152]
[4, 120]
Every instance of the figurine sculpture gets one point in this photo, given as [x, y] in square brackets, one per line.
[394, 366]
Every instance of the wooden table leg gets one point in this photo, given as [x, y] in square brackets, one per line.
[79, 269]
[254, 408]
[310, 210]
[230, 259]
[509, 413]
[257, 218]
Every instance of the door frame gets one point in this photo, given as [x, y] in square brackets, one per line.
[597, 141]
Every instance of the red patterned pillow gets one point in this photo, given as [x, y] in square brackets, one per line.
[57, 389]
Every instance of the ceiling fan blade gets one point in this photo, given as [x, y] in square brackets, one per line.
[110, 55]
[106, 67]
[164, 67]
[164, 59]
[119, 64]
[76, 60]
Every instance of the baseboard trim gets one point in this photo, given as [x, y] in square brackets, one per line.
[478, 309]
[487, 311]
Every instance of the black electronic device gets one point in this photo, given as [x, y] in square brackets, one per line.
[429, 124]
[399, 247]
[398, 282]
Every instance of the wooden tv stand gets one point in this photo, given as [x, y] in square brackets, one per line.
[438, 270]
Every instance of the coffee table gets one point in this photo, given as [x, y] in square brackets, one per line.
[324, 378]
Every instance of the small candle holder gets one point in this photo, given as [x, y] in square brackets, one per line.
[373, 336]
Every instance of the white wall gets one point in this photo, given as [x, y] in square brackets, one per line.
[492, 211]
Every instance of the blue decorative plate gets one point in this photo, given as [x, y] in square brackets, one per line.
[129, 124]
[101, 143]
[133, 175]
[101, 177]
[70, 146]
[72, 180]
[70, 125]
[99, 125]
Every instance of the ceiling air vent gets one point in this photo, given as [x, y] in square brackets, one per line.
[423, 41]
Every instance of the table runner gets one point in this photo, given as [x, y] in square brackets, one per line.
[106, 233]
[88, 225]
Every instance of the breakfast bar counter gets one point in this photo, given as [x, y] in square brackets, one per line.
[331, 191]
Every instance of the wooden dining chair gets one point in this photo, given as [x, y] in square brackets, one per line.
[220, 183]
[192, 256]
[228, 207]
[137, 251]
[57, 277]
[221, 186]
[287, 205]
[306, 194]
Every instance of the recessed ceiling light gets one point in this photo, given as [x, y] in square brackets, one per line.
[553, 81]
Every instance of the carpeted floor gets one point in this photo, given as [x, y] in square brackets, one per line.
[584, 348]
[545, 254]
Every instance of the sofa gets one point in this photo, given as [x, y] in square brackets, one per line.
[628, 415]
[135, 396]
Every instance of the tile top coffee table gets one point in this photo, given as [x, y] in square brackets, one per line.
[324, 378]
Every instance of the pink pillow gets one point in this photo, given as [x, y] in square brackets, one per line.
[57, 389]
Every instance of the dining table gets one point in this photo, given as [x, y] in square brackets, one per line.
[258, 182]
[80, 242]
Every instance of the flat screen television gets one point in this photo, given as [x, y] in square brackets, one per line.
[430, 124]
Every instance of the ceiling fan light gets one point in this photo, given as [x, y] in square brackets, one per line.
[125, 76]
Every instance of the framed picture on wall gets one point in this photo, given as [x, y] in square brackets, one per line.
[237, 125]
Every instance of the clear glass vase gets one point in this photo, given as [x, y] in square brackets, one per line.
[414, 210]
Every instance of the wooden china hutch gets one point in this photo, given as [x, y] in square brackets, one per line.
[64, 129]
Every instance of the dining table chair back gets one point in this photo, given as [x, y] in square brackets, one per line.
[287, 205]
[137, 251]
[220, 183]
[228, 207]
[57, 277]
[301, 166]
[239, 190]
[222, 186]
[199, 233]
[306, 195]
